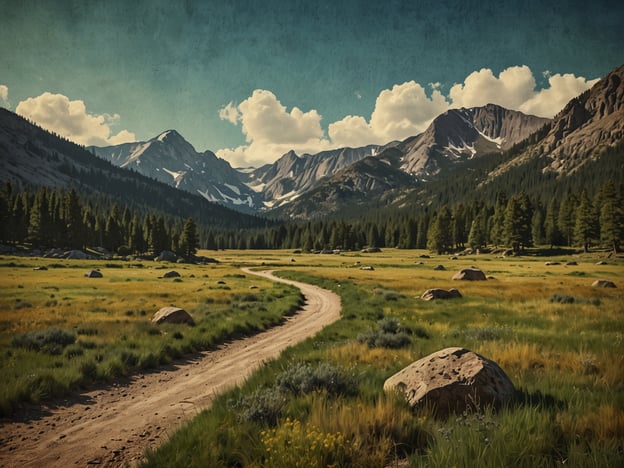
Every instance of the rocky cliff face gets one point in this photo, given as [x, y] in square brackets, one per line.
[461, 134]
[587, 125]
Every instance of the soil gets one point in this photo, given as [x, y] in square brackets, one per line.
[114, 425]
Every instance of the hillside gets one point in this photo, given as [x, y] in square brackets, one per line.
[33, 157]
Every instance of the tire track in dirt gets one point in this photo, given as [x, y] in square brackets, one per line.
[114, 425]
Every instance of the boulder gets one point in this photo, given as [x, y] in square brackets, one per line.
[552, 263]
[172, 315]
[470, 274]
[171, 274]
[603, 283]
[77, 255]
[94, 274]
[40, 268]
[438, 293]
[367, 268]
[602, 262]
[371, 250]
[166, 256]
[439, 268]
[572, 263]
[452, 380]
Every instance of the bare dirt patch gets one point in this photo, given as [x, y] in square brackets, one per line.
[114, 425]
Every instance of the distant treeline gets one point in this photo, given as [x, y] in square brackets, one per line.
[58, 218]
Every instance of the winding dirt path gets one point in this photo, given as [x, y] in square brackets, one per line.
[114, 425]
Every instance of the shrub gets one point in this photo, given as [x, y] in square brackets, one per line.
[302, 378]
[50, 340]
[389, 334]
[562, 298]
[264, 405]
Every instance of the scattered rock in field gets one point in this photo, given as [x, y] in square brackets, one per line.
[453, 258]
[439, 268]
[166, 256]
[40, 268]
[371, 250]
[552, 263]
[453, 380]
[220, 282]
[420, 263]
[171, 274]
[172, 315]
[602, 262]
[603, 283]
[425, 256]
[77, 255]
[367, 268]
[572, 263]
[253, 286]
[470, 274]
[437, 293]
[94, 274]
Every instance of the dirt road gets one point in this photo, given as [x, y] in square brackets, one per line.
[114, 425]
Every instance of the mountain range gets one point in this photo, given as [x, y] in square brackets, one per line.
[484, 145]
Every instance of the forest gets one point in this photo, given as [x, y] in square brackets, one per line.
[56, 218]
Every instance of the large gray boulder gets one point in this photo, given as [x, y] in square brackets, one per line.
[469, 274]
[603, 283]
[438, 293]
[172, 315]
[171, 274]
[452, 380]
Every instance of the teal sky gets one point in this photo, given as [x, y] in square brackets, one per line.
[175, 64]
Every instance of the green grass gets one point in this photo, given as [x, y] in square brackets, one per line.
[565, 359]
[78, 330]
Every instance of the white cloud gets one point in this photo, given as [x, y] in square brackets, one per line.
[400, 112]
[229, 113]
[271, 130]
[548, 101]
[510, 89]
[57, 113]
[515, 88]
[4, 96]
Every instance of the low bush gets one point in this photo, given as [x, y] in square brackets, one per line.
[389, 334]
[264, 405]
[301, 378]
[50, 340]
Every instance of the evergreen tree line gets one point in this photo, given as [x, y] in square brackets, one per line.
[54, 218]
[57, 218]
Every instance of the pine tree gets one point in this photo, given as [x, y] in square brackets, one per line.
[611, 217]
[439, 237]
[73, 220]
[189, 240]
[566, 218]
[497, 228]
[585, 225]
[551, 231]
[476, 237]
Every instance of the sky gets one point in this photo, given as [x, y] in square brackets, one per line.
[253, 79]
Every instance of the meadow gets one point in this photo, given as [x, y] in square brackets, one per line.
[559, 340]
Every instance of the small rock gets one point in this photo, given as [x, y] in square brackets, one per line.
[603, 283]
[171, 274]
[437, 293]
[470, 274]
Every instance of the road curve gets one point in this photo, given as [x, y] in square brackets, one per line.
[114, 425]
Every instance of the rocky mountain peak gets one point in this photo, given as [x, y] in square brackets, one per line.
[587, 124]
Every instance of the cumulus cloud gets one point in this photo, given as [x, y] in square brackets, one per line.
[548, 101]
[515, 88]
[400, 112]
[59, 114]
[271, 130]
[4, 96]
